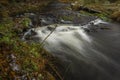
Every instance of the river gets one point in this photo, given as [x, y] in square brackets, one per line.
[89, 51]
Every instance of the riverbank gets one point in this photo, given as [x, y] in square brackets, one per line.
[21, 59]
[11, 8]
[107, 9]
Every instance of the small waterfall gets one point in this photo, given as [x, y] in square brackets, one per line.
[84, 55]
[26, 33]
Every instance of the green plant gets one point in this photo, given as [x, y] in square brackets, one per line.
[26, 22]
[103, 16]
[30, 66]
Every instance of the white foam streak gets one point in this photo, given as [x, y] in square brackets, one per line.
[98, 21]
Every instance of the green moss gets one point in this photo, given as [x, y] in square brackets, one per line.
[103, 16]
[29, 56]
[67, 18]
[26, 22]
[30, 66]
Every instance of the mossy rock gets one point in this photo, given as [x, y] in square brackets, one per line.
[67, 18]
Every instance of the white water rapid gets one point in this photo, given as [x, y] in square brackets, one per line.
[87, 56]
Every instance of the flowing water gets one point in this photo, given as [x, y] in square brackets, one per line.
[92, 55]
[88, 47]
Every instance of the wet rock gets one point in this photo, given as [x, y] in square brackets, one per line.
[35, 21]
[105, 28]
[50, 28]
[66, 22]
[29, 34]
[57, 5]
[25, 29]
[33, 32]
[86, 30]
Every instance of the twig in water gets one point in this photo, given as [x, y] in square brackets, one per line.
[48, 35]
[56, 72]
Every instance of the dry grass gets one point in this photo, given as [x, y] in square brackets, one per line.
[116, 16]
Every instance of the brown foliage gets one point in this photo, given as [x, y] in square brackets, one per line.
[116, 16]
